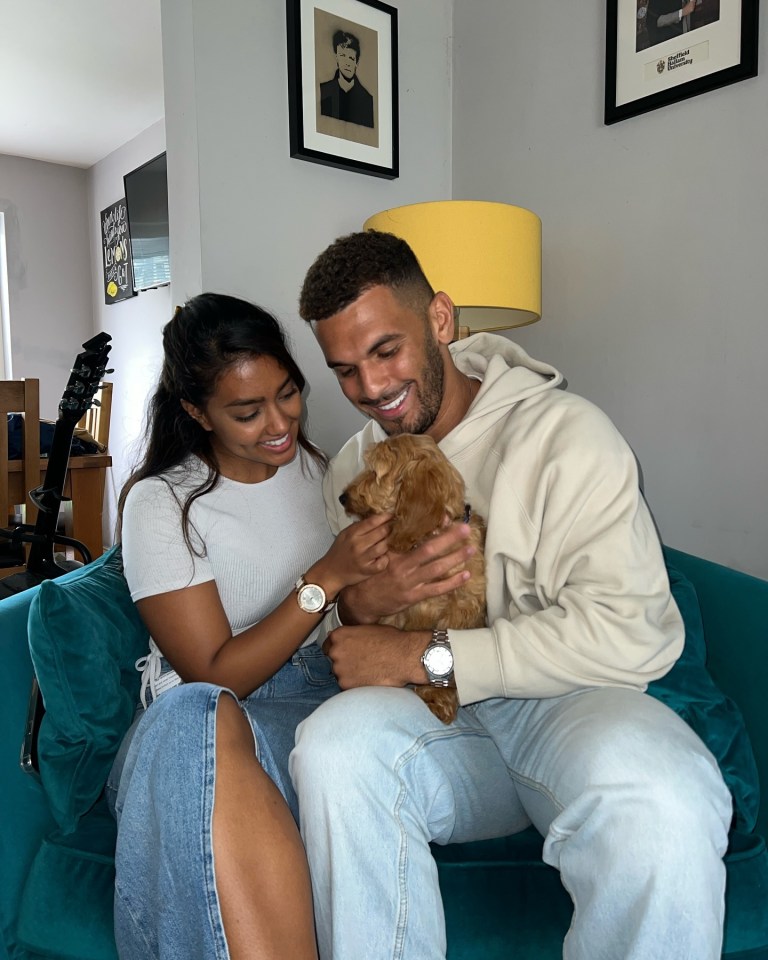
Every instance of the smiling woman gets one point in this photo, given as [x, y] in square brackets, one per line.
[253, 419]
[232, 566]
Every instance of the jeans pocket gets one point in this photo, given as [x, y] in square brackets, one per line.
[315, 666]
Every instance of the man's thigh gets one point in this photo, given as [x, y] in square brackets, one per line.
[382, 746]
[594, 742]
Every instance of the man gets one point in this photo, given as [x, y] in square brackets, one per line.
[668, 18]
[555, 728]
[344, 97]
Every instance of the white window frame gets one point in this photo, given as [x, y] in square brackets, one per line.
[5, 311]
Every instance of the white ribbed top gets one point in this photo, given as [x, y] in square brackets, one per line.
[258, 538]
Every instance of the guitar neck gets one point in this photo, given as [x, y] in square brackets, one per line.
[83, 383]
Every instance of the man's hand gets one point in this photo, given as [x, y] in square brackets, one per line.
[376, 656]
[410, 577]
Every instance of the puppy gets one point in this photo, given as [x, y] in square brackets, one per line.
[410, 477]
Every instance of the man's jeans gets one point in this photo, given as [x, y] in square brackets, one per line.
[161, 790]
[631, 804]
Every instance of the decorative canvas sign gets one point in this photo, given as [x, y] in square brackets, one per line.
[116, 249]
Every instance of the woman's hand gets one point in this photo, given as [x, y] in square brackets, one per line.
[358, 552]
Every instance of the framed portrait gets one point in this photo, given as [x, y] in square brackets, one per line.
[342, 84]
[662, 51]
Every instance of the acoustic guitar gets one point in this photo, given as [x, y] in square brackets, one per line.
[78, 397]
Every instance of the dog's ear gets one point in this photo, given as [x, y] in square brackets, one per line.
[423, 491]
[356, 498]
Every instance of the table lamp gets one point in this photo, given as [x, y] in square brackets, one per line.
[485, 256]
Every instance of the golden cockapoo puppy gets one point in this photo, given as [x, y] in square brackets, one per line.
[410, 477]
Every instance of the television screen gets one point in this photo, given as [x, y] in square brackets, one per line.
[146, 197]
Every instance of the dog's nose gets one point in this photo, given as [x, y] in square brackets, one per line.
[343, 499]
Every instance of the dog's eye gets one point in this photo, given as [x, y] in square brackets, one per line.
[343, 499]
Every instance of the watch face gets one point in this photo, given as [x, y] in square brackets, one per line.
[311, 598]
[439, 661]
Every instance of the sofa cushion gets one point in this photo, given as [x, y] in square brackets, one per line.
[66, 907]
[690, 691]
[85, 636]
[24, 813]
[502, 900]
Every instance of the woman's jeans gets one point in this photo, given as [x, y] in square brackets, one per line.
[161, 790]
[631, 804]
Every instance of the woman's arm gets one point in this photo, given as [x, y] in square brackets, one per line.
[190, 627]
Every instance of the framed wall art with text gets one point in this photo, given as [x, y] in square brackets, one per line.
[662, 51]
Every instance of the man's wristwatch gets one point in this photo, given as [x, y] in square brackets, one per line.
[438, 659]
[311, 597]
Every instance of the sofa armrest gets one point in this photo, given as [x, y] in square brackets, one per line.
[24, 813]
[734, 609]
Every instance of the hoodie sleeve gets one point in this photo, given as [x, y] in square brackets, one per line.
[343, 468]
[578, 594]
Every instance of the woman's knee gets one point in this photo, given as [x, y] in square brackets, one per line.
[233, 731]
[170, 739]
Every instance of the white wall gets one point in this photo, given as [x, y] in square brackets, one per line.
[655, 235]
[248, 220]
[49, 272]
[134, 324]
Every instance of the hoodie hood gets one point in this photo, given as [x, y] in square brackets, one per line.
[508, 374]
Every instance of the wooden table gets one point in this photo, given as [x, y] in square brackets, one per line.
[86, 477]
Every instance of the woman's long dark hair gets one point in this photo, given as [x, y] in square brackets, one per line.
[206, 336]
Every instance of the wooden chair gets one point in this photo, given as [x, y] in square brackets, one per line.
[96, 420]
[19, 396]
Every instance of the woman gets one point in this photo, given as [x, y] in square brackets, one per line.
[231, 564]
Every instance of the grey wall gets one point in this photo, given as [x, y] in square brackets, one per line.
[134, 324]
[247, 219]
[49, 271]
[655, 245]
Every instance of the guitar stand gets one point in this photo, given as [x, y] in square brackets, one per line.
[16, 538]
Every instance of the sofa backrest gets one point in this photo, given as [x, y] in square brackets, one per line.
[734, 608]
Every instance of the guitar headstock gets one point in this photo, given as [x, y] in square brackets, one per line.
[85, 377]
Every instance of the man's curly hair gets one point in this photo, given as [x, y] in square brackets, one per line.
[355, 263]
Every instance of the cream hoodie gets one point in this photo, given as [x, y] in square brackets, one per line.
[577, 590]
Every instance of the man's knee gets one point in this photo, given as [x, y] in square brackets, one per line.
[351, 735]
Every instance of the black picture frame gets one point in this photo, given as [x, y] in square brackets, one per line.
[649, 64]
[321, 124]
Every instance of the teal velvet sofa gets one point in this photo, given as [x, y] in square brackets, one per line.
[57, 838]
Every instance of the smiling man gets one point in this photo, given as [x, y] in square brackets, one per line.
[343, 96]
[555, 728]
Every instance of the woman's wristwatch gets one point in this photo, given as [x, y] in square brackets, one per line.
[311, 597]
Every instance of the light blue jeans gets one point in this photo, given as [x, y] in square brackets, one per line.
[631, 804]
[161, 790]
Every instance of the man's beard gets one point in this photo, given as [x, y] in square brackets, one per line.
[429, 394]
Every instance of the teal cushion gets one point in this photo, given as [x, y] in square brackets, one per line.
[24, 813]
[67, 905]
[501, 900]
[692, 693]
[85, 636]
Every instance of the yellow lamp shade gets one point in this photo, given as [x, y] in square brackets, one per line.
[485, 256]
